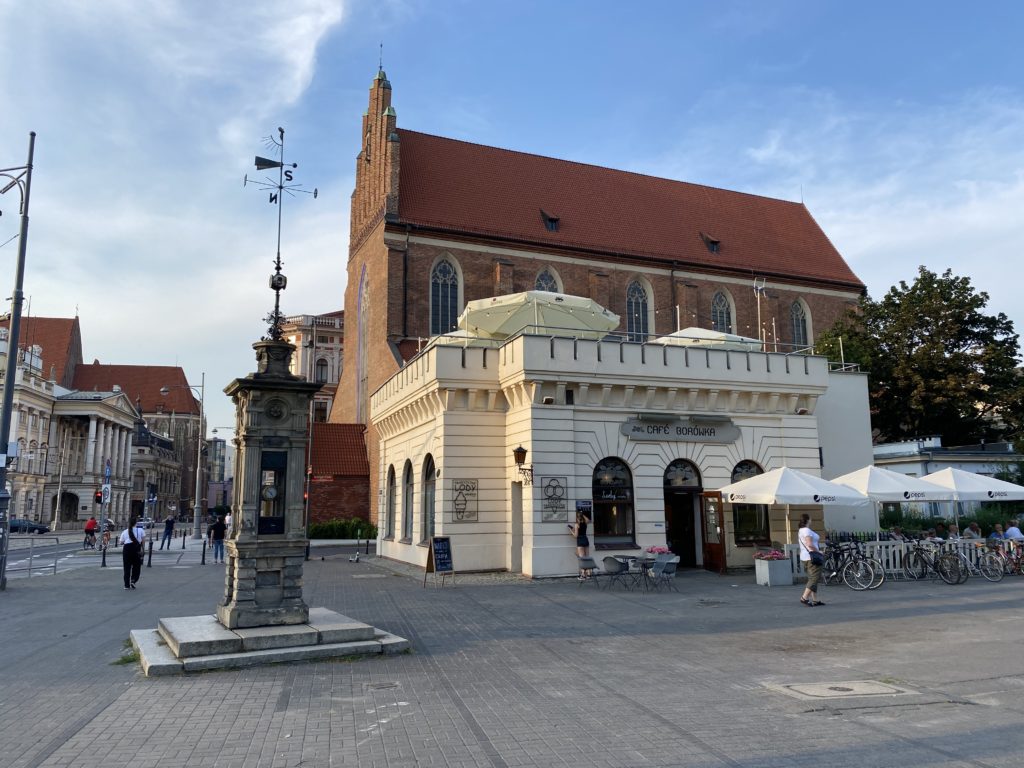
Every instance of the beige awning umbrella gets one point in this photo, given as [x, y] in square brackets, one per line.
[537, 312]
[704, 337]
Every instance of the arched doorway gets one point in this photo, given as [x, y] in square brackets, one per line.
[682, 492]
[68, 507]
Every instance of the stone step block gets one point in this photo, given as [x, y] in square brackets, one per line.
[198, 636]
[155, 655]
[279, 655]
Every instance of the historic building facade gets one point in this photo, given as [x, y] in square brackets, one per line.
[437, 222]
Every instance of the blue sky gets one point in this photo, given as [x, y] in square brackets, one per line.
[900, 125]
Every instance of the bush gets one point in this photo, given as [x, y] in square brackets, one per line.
[343, 528]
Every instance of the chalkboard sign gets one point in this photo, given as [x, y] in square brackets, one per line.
[439, 559]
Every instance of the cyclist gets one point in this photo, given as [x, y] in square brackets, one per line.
[90, 533]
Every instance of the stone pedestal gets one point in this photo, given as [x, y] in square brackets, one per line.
[263, 584]
[773, 573]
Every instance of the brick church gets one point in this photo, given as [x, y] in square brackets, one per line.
[437, 222]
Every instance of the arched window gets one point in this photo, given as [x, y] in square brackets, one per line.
[636, 312]
[407, 502]
[798, 314]
[389, 510]
[427, 512]
[362, 350]
[321, 370]
[613, 504]
[444, 298]
[721, 313]
[750, 521]
[547, 281]
[681, 474]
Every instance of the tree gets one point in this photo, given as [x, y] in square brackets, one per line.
[936, 364]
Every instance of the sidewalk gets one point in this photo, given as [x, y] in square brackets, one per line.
[513, 672]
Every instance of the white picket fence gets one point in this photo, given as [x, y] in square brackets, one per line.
[891, 553]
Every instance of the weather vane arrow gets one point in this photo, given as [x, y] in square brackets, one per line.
[277, 190]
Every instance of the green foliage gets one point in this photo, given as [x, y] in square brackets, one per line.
[936, 364]
[343, 528]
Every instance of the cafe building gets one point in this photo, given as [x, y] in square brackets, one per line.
[496, 443]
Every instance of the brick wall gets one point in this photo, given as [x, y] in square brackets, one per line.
[341, 496]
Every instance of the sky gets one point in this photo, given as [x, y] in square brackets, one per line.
[899, 125]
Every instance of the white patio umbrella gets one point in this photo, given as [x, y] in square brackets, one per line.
[790, 486]
[970, 486]
[704, 337]
[502, 316]
[883, 485]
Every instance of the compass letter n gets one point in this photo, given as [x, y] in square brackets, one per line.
[273, 197]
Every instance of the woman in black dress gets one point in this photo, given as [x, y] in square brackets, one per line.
[582, 542]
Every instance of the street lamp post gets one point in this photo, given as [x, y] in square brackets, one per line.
[197, 524]
[23, 181]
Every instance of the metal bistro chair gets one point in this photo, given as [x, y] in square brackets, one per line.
[616, 570]
[663, 573]
[588, 564]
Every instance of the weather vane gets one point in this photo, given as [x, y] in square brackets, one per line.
[278, 282]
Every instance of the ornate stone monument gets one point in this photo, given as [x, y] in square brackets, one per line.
[263, 617]
[265, 554]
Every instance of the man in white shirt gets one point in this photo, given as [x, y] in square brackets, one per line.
[1013, 532]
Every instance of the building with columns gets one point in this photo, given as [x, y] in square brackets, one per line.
[319, 354]
[70, 444]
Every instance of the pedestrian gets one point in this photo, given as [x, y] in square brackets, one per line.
[808, 549]
[582, 542]
[131, 540]
[168, 531]
[215, 534]
[227, 522]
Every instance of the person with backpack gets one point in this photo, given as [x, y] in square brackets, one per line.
[132, 539]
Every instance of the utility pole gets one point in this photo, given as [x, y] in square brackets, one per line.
[23, 181]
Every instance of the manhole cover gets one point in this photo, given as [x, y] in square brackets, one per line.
[702, 603]
[840, 690]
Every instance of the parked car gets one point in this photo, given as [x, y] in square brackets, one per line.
[20, 525]
[147, 522]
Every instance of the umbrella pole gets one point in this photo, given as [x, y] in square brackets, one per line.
[878, 521]
[789, 526]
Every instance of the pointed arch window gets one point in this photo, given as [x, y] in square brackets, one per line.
[721, 313]
[636, 312]
[798, 314]
[444, 298]
[546, 281]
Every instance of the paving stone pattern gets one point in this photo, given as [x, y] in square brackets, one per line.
[508, 672]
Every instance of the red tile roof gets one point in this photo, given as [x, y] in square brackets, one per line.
[141, 383]
[59, 337]
[339, 449]
[469, 188]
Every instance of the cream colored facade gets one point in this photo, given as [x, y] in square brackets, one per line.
[453, 415]
[319, 342]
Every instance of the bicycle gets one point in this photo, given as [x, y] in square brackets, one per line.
[924, 559]
[845, 561]
[90, 540]
[989, 565]
[1009, 554]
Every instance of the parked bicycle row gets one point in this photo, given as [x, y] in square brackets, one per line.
[865, 566]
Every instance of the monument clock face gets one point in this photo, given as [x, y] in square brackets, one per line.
[275, 410]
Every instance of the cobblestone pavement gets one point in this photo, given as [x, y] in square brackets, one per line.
[507, 672]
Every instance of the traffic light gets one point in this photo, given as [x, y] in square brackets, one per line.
[98, 497]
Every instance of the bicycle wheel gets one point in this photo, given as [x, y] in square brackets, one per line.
[858, 574]
[914, 565]
[879, 576]
[991, 566]
[950, 569]
[830, 569]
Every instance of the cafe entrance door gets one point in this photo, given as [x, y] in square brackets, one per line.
[682, 489]
[712, 531]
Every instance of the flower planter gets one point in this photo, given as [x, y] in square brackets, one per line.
[773, 573]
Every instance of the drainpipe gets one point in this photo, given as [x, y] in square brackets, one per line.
[405, 285]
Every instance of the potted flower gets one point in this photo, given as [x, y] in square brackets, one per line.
[658, 550]
[772, 568]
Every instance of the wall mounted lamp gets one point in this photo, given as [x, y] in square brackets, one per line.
[525, 472]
